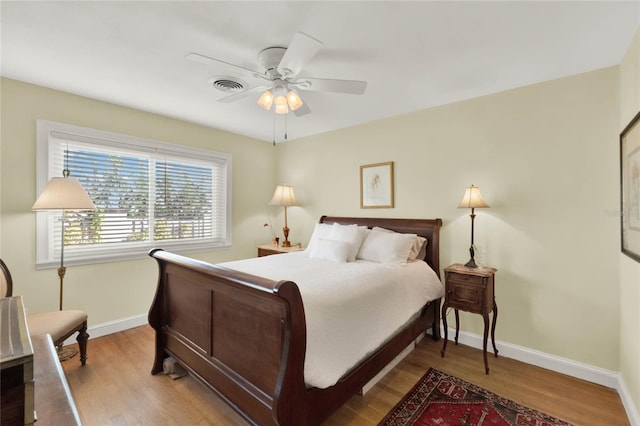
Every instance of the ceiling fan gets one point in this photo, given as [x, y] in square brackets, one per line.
[280, 67]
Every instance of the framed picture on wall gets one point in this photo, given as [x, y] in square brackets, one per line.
[630, 188]
[376, 185]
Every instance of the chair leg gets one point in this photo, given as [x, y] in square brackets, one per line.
[82, 338]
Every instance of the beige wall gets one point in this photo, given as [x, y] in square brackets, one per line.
[117, 290]
[630, 269]
[546, 159]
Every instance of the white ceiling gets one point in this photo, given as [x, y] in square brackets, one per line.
[414, 55]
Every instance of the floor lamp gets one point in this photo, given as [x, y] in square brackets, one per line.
[472, 199]
[66, 194]
[284, 196]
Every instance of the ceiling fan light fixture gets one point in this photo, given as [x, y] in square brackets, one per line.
[266, 100]
[294, 100]
[279, 69]
[281, 105]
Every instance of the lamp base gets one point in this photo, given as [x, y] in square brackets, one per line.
[286, 242]
[67, 352]
[472, 262]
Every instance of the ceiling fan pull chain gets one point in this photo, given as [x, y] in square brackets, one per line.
[285, 127]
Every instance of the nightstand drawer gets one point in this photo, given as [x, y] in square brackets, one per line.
[466, 296]
[465, 279]
[469, 291]
[267, 252]
[269, 249]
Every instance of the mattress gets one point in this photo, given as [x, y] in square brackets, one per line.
[351, 308]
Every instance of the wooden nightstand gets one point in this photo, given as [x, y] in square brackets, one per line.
[269, 249]
[470, 290]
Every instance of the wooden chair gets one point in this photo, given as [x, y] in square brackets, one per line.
[59, 324]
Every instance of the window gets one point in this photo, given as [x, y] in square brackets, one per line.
[147, 194]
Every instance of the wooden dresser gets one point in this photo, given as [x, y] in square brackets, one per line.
[34, 387]
[16, 365]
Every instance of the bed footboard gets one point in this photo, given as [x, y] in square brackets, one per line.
[241, 335]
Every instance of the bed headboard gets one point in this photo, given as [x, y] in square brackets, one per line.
[427, 228]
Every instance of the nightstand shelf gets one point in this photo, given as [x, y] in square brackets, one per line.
[269, 249]
[470, 290]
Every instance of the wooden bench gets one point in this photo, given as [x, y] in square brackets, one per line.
[53, 401]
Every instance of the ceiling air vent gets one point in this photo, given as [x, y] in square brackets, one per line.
[227, 84]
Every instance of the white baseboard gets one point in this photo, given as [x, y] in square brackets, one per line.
[601, 376]
[627, 402]
[111, 327]
[402, 355]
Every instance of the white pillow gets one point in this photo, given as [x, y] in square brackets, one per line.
[386, 247]
[351, 234]
[419, 248]
[331, 250]
[322, 230]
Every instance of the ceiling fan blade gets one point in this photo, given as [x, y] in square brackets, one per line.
[303, 110]
[352, 87]
[211, 61]
[300, 51]
[244, 94]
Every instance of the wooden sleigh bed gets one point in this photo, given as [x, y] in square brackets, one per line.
[244, 336]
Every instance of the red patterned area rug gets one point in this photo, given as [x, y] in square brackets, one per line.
[440, 399]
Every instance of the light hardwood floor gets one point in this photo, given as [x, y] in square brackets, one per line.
[116, 387]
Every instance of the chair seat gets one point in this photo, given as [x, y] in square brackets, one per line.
[58, 324]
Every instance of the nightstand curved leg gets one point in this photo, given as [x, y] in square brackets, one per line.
[446, 329]
[493, 329]
[457, 324]
[484, 342]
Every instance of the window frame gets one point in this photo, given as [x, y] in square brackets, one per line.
[46, 254]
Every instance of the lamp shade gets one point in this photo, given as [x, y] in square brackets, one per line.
[473, 199]
[63, 193]
[284, 196]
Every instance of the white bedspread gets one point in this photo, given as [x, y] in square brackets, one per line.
[350, 308]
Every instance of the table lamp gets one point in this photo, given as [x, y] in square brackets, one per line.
[284, 196]
[472, 199]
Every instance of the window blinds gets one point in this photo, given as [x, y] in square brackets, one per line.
[145, 197]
